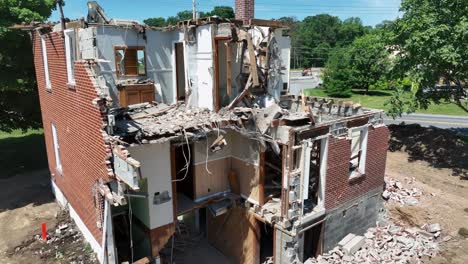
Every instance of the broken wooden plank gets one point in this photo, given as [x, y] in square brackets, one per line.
[268, 23]
[244, 35]
[242, 94]
[228, 69]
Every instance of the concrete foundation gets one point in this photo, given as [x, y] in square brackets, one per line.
[354, 217]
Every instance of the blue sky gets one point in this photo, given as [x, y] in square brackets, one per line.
[371, 12]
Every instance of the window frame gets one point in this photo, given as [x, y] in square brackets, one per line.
[45, 63]
[137, 48]
[58, 160]
[360, 170]
[70, 54]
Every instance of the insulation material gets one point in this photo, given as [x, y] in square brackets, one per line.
[236, 234]
[87, 39]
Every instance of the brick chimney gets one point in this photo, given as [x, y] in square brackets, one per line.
[245, 10]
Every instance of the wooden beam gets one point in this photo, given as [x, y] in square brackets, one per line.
[244, 35]
[261, 180]
[268, 23]
[228, 69]
[242, 94]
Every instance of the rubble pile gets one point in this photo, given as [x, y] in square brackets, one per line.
[394, 191]
[388, 244]
[153, 120]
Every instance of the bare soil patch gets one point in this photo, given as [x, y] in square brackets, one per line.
[432, 157]
[24, 205]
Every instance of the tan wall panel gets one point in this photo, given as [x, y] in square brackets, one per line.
[236, 234]
[248, 175]
[216, 182]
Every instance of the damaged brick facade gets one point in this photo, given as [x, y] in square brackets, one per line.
[79, 126]
[339, 187]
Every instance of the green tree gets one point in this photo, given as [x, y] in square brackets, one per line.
[338, 73]
[317, 35]
[181, 16]
[155, 21]
[369, 60]
[222, 11]
[19, 105]
[349, 30]
[431, 42]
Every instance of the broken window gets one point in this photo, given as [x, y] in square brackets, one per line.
[45, 63]
[358, 151]
[70, 53]
[130, 61]
[58, 161]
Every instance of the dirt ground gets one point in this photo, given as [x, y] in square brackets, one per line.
[25, 202]
[439, 169]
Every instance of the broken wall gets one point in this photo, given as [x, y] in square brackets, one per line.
[83, 154]
[355, 216]
[200, 68]
[159, 52]
[339, 188]
[245, 162]
[155, 160]
[211, 169]
[278, 63]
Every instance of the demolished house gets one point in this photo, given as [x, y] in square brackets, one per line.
[182, 143]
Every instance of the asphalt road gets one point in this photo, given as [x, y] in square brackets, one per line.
[455, 123]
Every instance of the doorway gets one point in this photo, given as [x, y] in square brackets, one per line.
[266, 242]
[313, 241]
[222, 59]
[180, 70]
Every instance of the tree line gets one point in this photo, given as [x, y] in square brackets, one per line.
[427, 45]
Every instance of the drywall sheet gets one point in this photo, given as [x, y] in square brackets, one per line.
[211, 178]
[211, 168]
[204, 69]
[236, 234]
[155, 160]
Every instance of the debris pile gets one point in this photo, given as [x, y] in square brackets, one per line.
[388, 244]
[64, 243]
[394, 191]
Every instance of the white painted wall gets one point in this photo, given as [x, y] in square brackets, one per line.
[155, 162]
[159, 57]
[204, 70]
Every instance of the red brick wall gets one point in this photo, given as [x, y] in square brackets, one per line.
[78, 123]
[245, 10]
[339, 189]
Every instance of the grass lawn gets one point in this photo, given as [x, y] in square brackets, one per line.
[21, 152]
[377, 98]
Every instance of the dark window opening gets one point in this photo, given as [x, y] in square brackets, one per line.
[180, 71]
[273, 173]
[313, 242]
[266, 242]
[314, 177]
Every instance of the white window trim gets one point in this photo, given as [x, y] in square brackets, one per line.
[69, 42]
[45, 62]
[58, 161]
[362, 159]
